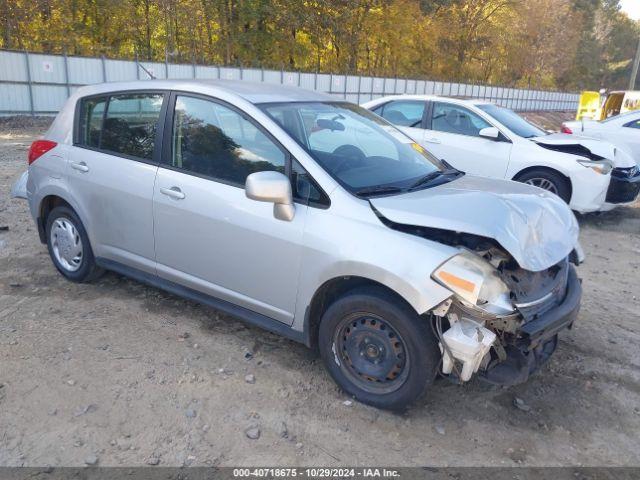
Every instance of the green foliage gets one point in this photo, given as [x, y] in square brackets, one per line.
[543, 43]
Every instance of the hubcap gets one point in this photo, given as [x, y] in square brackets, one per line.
[542, 183]
[371, 352]
[66, 244]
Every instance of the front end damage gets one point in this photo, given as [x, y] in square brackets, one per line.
[513, 286]
[505, 348]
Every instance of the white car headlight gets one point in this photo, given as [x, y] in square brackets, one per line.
[476, 282]
[601, 167]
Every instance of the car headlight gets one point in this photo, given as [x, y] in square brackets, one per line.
[476, 282]
[601, 167]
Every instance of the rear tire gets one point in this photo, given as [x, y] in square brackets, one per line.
[548, 180]
[378, 349]
[69, 246]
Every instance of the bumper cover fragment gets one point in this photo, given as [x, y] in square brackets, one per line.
[538, 339]
[624, 186]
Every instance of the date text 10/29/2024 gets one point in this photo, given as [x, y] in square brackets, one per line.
[316, 472]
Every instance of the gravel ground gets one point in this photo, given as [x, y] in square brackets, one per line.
[117, 373]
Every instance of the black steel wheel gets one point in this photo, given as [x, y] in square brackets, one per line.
[372, 353]
[377, 348]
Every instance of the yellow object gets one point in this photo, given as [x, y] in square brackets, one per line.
[589, 106]
[600, 107]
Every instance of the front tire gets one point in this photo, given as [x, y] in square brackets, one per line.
[548, 180]
[378, 349]
[69, 246]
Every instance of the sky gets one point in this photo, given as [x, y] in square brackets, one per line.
[632, 8]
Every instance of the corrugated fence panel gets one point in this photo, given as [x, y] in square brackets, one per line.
[252, 75]
[271, 76]
[120, 71]
[209, 73]
[180, 71]
[40, 83]
[49, 98]
[13, 67]
[83, 71]
[47, 68]
[14, 98]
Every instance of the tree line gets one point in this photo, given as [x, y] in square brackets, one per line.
[564, 44]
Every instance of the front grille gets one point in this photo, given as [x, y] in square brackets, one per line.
[624, 186]
[538, 292]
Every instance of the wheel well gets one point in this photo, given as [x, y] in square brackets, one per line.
[548, 169]
[331, 291]
[46, 206]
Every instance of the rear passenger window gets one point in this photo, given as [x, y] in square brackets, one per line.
[128, 128]
[91, 114]
[130, 125]
[404, 113]
[215, 141]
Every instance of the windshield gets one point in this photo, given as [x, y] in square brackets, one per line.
[356, 147]
[620, 116]
[513, 121]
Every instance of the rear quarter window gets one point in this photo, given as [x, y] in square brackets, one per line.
[91, 116]
[127, 127]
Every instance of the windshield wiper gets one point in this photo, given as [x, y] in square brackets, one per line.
[426, 179]
[432, 176]
[378, 190]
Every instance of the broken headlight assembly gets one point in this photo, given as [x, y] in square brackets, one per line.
[601, 167]
[475, 282]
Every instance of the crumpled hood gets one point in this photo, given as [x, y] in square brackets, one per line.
[598, 147]
[537, 228]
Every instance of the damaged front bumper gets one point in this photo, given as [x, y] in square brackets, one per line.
[624, 186]
[536, 340]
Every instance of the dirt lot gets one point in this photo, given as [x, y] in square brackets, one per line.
[123, 374]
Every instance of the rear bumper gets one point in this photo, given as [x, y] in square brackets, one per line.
[19, 188]
[538, 339]
[624, 186]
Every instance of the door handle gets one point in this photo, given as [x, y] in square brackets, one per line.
[432, 140]
[81, 167]
[173, 192]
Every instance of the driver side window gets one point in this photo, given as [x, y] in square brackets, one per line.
[404, 113]
[451, 118]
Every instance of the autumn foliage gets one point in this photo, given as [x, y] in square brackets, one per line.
[539, 43]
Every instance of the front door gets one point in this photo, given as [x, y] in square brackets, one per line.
[209, 236]
[453, 134]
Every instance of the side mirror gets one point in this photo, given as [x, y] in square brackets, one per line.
[273, 187]
[491, 133]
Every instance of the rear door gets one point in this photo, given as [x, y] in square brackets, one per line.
[209, 236]
[453, 134]
[112, 170]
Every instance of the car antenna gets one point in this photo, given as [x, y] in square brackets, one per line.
[147, 71]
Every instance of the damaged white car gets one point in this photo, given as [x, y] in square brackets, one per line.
[484, 139]
[251, 199]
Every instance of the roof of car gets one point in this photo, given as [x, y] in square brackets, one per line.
[459, 100]
[253, 92]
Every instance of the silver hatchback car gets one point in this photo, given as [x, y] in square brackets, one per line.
[258, 200]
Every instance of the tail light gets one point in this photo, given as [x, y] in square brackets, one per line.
[39, 148]
[566, 129]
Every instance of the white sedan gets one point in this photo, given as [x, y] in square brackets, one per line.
[484, 139]
[621, 130]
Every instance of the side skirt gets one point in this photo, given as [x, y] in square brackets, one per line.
[244, 314]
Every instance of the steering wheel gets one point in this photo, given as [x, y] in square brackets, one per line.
[350, 153]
